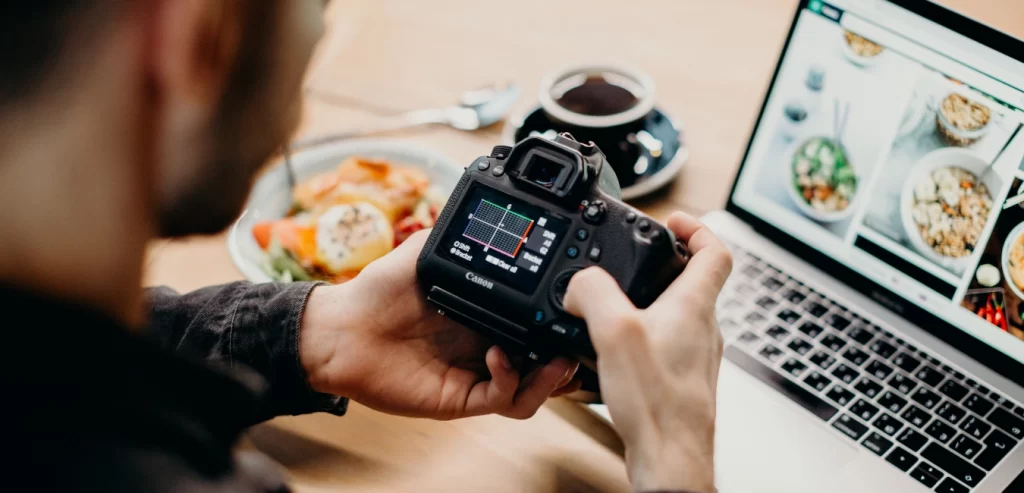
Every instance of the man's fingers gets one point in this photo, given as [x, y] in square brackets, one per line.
[537, 387]
[498, 393]
[707, 271]
[573, 386]
[596, 297]
[693, 233]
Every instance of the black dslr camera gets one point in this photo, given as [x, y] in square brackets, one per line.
[520, 223]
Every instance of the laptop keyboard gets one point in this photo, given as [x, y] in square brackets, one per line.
[902, 403]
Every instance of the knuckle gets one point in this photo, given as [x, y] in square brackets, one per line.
[627, 326]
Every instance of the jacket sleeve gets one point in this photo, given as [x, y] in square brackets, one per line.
[245, 326]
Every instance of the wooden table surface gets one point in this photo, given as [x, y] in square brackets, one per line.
[711, 61]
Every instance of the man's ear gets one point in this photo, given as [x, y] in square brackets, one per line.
[195, 44]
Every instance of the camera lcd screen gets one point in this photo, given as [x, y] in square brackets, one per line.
[503, 239]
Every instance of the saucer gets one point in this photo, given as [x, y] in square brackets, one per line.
[651, 171]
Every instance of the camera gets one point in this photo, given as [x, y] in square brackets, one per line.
[520, 223]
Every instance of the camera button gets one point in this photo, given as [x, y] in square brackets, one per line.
[644, 226]
[538, 317]
[595, 253]
[631, 217]
[566, 330]
[483, 165]
[594, 212]
[498, 170]
[572, 252]
[656, 236]
[582, 234]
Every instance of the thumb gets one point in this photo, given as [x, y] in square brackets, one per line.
[596, 297]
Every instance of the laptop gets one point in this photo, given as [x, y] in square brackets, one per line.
[874, 321]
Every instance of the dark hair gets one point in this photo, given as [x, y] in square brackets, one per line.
[36, 36]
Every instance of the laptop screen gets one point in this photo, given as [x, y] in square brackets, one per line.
[895, 146]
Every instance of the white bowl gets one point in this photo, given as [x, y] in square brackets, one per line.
[940, 158]
[824, 217]
[271, 198]
[1014, 233]
[857, 59]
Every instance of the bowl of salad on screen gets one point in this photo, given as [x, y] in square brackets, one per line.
[824, 184]
[352, 204]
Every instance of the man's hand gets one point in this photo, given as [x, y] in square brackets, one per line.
[375, 340]
[659, 366]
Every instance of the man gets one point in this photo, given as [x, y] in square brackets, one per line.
[129, 119]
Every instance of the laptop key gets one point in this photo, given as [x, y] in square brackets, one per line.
[907, 362]
[953, 390]
[1007, 422]
[812, 329]
[901, 458]
[788, 316]
[855, 356]
[958, 468]
[815, 309]
[755, 318]
[975, 427]
[801, 346]
[877, 443]
[833, 342]
[926, 475]
[878, 369]
[1019, 411]
[965, 446]
[949, 485]
[837, 322]
[748, 338]
[845, 373]
[902, 383]
[822, 359]
[767, 302]
[783, 385]
[860, 334]
[892, 402]
[794, 367]
[882, 348]
[997, 445]
[929, 375]
[849, 426]
[840, 396]
[751, 271]
[950, 412]
[795, 297]
[817, 381]
[978, 404]
[863, 410]
[940, 431]
[912, 439]
[926, 398]
[771, 283]
[888, 424]
[868, 387]
[1002, 401]
[916, 416]
[777, 332]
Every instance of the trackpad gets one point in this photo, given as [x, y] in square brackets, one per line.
[766, 443]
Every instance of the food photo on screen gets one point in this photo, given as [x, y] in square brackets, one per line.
[837, 106]
[953, 157]
[996, 291]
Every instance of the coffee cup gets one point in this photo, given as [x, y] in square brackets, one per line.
[613, 106]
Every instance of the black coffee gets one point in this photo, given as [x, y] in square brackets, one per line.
[597, 96]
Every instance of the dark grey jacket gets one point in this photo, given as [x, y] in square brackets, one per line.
[92, 406]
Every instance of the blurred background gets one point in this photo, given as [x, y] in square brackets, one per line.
[711, 61]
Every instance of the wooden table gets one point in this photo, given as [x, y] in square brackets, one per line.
[711, 61]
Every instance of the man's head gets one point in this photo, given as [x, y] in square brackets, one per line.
[222, 80]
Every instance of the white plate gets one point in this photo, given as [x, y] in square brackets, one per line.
[271, 198]
[947, 156]
[824, 217]
[1014, 233]
[856, 59]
